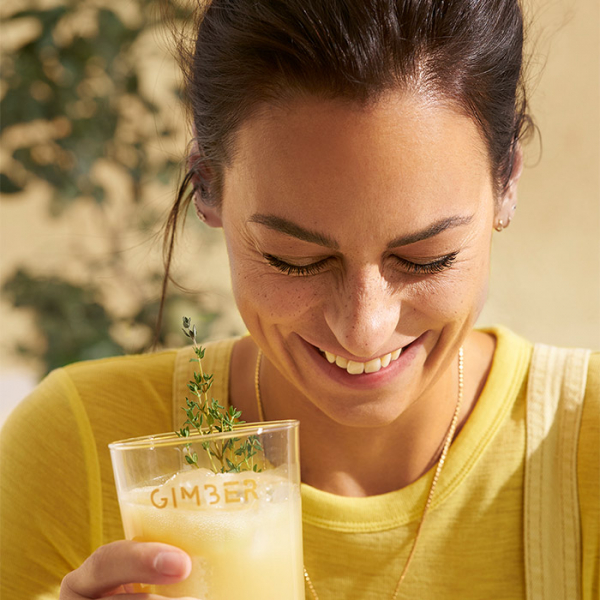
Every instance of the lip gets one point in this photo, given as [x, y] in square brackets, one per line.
[365, 380]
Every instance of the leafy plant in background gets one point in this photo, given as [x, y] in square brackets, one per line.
[77, 80]
[75, 324]
[79, 83]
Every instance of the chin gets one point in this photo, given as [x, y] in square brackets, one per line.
[363, 412]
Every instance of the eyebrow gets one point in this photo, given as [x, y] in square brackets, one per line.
[292, 229]
[430, 231]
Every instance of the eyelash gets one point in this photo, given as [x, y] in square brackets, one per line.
[288, 269]
[430, 268]
[435, 266]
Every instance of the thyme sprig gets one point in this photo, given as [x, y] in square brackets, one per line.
[205, 415]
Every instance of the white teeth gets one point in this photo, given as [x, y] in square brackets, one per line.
[373, 366]
[341, 362]
[355, 368]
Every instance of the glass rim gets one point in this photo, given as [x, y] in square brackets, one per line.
[172, 439]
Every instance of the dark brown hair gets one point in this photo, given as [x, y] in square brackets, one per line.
[246, 53]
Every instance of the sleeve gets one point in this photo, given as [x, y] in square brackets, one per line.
[588, 475]
[50, 497]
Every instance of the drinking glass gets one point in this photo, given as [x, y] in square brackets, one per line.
[230, 500]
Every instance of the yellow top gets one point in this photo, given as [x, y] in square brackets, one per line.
[58, 499]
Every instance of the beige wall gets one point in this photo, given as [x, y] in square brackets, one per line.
[546, 270]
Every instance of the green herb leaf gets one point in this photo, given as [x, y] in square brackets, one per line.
[211, 417]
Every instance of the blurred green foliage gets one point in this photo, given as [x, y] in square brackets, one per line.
[75, 324]
[79, 76]
[79, 83]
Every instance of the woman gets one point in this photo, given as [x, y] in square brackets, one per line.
[358, 156]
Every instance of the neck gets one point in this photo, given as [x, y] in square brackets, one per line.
[364, 461]
[368, 463]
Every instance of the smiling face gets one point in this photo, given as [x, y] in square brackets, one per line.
[354, 233]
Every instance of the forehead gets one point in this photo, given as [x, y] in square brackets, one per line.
[318, 155]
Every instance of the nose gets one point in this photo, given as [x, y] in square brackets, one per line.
[363, 313]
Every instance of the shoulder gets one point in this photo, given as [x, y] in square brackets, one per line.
[141, 371]
[568, 379]
[588, 478]
[547, 372]
[512, 349]
[592, 388]
[216, 361]
[156, 367]
[217, 356]
[122, 396]
[98, 400]
[589, 437]
[590, 420]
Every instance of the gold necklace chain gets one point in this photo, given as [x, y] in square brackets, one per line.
[436, 475]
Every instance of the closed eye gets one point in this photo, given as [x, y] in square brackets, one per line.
[432, 267]
[298, 270]
[435, 266]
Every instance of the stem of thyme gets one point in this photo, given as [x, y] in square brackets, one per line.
[208, 416]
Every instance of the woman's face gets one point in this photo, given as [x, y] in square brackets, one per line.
[354, 233]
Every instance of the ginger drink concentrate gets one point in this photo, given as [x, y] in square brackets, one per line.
[242, 529]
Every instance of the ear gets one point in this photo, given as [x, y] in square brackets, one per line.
[201, 177]
[508, 203]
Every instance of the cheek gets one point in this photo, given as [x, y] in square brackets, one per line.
[263, 294]
[459, 294]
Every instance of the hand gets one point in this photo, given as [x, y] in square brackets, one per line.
[113, 568]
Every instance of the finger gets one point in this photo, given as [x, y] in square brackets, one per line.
[125, 562]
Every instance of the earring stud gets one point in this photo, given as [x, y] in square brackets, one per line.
[500, 226]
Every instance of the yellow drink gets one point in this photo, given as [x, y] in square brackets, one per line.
[242, 531]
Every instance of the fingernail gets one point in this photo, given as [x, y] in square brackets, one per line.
[170, 563]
